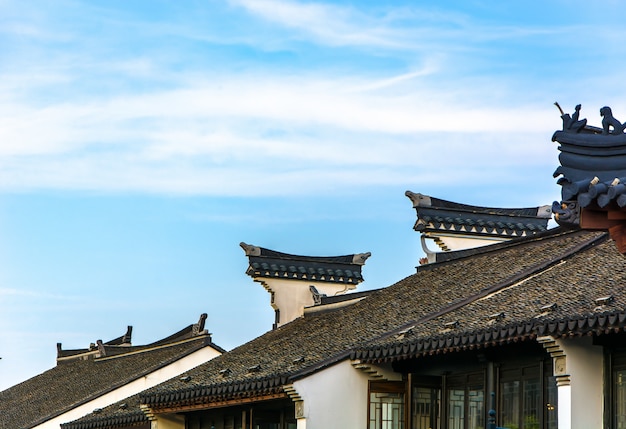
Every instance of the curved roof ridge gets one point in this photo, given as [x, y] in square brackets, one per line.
[421, 200]
[355, 258]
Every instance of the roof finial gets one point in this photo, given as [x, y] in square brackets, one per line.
[250, 249]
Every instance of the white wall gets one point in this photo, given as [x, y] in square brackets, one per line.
[336, 397]
[174, 369]
[585, 365]
[291, 296]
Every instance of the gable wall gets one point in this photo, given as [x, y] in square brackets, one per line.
[336, 397]
[292, 296]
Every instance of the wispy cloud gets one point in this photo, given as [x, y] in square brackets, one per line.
[99, 118]
[188, 140]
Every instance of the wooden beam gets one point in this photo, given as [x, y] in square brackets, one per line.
[596, 219]
[218, 404]
[618, 234]
[616, 215]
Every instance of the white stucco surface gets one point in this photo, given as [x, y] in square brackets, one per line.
[585, 365]
[336, 397]
[291, 296]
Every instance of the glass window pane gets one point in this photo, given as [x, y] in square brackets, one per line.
[425, 408]
[510, 401]
[456, 409]
[475, 409]
[551, 403]
[620, 399]
[531, 404]
[386, 410]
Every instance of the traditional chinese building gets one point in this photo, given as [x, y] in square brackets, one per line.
[86, 380]
[527, 332]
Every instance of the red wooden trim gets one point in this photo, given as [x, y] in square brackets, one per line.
[618, 234]
[597, 219]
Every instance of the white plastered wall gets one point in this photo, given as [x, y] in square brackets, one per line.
[132, 388]
[336, 397]
[585, 366]
[291, 296]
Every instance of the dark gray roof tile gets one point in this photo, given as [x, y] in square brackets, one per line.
[78, 381]
[336, 269]
[431, 298]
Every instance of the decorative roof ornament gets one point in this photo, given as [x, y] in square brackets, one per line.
[593, 173]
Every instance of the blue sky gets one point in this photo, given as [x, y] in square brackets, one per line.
[141, 141]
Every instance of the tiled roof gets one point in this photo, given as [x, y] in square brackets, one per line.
[318, 340]
[122, 414]
[579, 294]
[336, 269]
[434, 214]
[556, 283]
[77, 381]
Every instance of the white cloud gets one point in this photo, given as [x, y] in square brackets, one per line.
[215, 138]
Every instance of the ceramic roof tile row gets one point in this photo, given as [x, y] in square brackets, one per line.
[459, 223]
[591, 190]
[335, 269]
[123, 414]
[435, 214]
[567, 291]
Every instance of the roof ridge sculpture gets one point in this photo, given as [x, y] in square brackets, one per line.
[592, 174]
[593, 159]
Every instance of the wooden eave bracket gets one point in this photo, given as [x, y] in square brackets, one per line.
[618, 234]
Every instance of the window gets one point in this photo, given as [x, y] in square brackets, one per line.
[617, 385]
[425, 409]
[386, 405]
[466, 401]
[527, 400]
[619, 398]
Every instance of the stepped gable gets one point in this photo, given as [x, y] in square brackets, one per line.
[265, 263]
[436, 215]
[592, 174]
[80, 378]
[269, 363]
